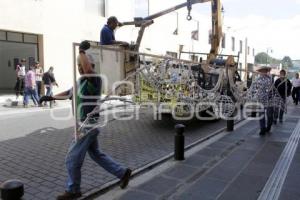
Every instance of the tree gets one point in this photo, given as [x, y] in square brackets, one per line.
[264, 58]
[286, 62]
[261, 58]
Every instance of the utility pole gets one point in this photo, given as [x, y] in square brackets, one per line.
[271, 51]
[246, 58]
[148, 7]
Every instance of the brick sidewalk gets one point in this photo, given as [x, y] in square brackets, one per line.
[38, 158]
[235, 167]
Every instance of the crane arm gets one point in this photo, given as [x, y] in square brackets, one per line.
[216, 23]
[137, 21]
[144, 22]
[216, 33]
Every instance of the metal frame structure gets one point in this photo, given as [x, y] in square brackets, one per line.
[74, 101]
[147, 21]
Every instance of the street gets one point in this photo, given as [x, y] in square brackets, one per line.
[149, 100]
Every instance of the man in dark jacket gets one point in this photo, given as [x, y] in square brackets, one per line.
[49, 81]
[107, 35]
[284, 87]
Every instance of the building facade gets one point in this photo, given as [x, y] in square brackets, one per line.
[46, 30]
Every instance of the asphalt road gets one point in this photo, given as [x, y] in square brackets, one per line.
[19, 122]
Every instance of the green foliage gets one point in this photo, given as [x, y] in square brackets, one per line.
[263, 58]
[287, 62]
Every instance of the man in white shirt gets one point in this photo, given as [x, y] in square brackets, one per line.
[21, 72]
[296, 88]
[38, 76]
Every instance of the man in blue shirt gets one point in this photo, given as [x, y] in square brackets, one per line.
[107, 35]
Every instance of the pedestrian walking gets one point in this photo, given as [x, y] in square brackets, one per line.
[107, 35]
[260, 92]
[38, 75]
[49, 81]
[21, 72]
[296, 89]
[30, 87]
[90, 85]
[283, 86]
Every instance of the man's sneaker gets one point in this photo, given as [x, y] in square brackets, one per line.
[125, 179]
[68, 196]
[262, 132]
[268, 128]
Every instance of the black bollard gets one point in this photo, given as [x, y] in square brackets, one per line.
[12, 190]
[179, 142]
[230, 122]
[230, 125]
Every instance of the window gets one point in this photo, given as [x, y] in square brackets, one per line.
[172, 54]
[2, 35]
[241, 46]
[18, 37]
[95, 7]
[15, 37]
[253, 51]
[224, 41]
[248, 50]
[232, 43]
[141, 8]
[194, 58]
[30, 38]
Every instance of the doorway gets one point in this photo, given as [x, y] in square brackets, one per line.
[14, 47]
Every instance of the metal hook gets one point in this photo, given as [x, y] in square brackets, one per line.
[189, 7]
[189, 17]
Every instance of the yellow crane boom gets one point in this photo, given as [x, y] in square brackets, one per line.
[216, 33]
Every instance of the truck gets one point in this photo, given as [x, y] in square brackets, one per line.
[174, 85]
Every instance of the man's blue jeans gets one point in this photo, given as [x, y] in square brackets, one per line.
[49, 91]
[279, 112]
[269, 112]
[75, 158]
[29, 92]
